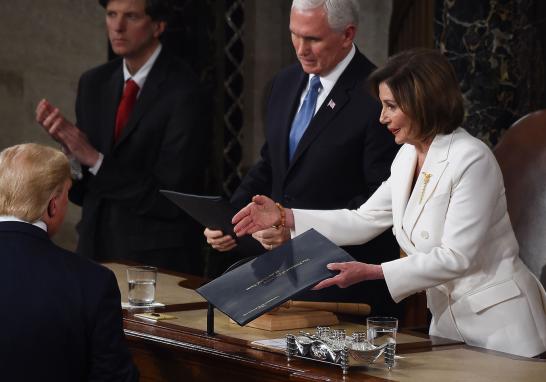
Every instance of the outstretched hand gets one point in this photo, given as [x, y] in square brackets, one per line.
[350, 273]
[258, 215]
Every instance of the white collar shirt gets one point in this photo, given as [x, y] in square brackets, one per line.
[140, 76]
[37, 223]
[328, 81]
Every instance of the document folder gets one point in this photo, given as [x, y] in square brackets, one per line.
[260, 285]
[214, 212]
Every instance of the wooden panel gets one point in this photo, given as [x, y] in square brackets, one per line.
[180, 350]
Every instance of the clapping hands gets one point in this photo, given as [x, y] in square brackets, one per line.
[74, 141]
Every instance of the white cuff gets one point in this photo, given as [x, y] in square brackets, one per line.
[96, 167]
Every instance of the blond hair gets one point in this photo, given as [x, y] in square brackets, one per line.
[30, 175]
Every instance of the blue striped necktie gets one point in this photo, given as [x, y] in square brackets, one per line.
[304, 115]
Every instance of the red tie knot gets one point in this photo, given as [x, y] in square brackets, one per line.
[131, 89]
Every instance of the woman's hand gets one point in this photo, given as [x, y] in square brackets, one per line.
[272, 237]
[219, 241]
[350, 273]
[260, 214]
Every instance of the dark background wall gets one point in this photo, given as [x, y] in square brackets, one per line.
[236, 46]
[497, 48]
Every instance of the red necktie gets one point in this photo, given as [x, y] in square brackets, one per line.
[125, 107]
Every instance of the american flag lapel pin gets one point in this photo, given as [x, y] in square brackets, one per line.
[331, 104]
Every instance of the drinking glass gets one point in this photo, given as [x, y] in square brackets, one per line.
[383, 330]
[142, 281]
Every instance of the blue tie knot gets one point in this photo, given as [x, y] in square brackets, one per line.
[304, 115]
[315, 84]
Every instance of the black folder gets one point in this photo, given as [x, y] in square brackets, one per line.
[269, 280]
[214, 212]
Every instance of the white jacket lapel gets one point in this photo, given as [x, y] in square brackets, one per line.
[431, 173]
[401, 180]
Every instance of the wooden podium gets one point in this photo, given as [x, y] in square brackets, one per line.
[306, 314]
[293, 318]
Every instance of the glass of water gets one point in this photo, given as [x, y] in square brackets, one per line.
[142, 282]
[383, 330]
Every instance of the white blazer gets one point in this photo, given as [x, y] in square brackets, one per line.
[460, 244]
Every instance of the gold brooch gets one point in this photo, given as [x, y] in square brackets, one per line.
[426, 178]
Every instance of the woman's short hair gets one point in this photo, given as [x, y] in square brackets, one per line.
[425, 87]
[30, 174]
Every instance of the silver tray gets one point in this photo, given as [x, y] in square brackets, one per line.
[341, 353]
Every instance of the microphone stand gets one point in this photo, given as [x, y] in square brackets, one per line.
[210, 307]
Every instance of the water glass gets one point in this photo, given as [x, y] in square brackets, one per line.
[142, 281]
[383, 330]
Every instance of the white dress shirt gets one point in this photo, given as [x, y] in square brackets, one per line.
[328, 81]
[37, 223]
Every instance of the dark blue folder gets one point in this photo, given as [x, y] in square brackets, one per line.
[214, 212]
[260, 285]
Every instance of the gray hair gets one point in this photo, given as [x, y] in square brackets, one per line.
[340, 13]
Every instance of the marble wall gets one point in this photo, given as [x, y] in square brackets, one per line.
[498, 57]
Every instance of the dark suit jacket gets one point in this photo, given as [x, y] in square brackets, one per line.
[163, 146]
[343, 156]
[61, 316]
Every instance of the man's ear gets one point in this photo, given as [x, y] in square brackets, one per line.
[349, 35]
[159, 28]
[52, 207]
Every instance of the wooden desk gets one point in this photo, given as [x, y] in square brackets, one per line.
[180, 350]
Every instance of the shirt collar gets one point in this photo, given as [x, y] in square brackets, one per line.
[328, 81]
[37, 223]
[140, 76]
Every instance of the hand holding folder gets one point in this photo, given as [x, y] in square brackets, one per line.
[216, 213]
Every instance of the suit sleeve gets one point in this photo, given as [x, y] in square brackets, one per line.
[350, 227]
[77, 191]
[258, 180]
[178, 160]
[110, 359]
